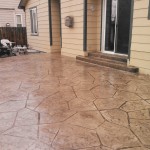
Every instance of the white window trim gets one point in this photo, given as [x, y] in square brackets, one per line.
[34, 34]
[16, 19]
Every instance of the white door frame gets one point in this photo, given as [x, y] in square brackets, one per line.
[103, 25]
[104, 28]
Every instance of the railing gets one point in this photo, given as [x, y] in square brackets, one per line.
[14, 34]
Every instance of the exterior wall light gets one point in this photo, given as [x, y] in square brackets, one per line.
[93, 8]
[69, 21]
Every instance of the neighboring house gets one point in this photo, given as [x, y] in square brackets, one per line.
[116, 27]
[10, 15]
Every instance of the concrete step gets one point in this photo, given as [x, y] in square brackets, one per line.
[108, 63]
[108, 60]
[109, 56]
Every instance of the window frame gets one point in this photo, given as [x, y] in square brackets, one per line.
[35, 21]
[149, 11]
[21, 20]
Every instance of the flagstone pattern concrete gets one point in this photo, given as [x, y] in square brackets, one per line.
[51, 102]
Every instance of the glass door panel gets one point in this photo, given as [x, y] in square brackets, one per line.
[123, 26]
[110, 31]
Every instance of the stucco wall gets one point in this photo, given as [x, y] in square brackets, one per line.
[42, 41]
[140, 46]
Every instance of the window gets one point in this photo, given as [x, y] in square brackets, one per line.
[18, 20]
[149, 11]
[33, 17]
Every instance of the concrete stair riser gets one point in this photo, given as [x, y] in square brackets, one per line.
[117, 63]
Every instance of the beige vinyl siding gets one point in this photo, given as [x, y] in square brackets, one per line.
[42, 41]
[140, 46]
[9, 3]
[56, 35]
[8, 16]
[72, 38]
[99, 19]
[94, 25]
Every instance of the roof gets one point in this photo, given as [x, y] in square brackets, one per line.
[22, 4]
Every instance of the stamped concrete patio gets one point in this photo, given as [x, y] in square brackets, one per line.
[50, 102]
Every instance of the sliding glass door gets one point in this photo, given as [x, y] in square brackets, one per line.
[116, 26]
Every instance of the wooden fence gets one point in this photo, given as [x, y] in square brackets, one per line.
[14, 34]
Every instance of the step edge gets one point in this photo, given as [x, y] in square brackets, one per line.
[109, 55]
[86, 58]
[125, 68]
[108, 60]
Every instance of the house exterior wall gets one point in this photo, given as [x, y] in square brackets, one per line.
[56, 28]
[8, 11]
[42, 40]
[72, 38]
[140, 44]
[6, 17]
[94, 25]
[99, 24]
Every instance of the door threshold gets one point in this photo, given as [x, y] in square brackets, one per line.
[115, 53]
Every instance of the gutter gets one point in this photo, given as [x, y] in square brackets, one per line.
[22, 4]
[7, 8]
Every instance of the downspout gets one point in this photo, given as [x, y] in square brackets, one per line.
[131, 27]
[26, 26]
[50, 22]
[85, 28]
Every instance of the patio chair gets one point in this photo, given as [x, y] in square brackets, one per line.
[7, 47]
[4, 50]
